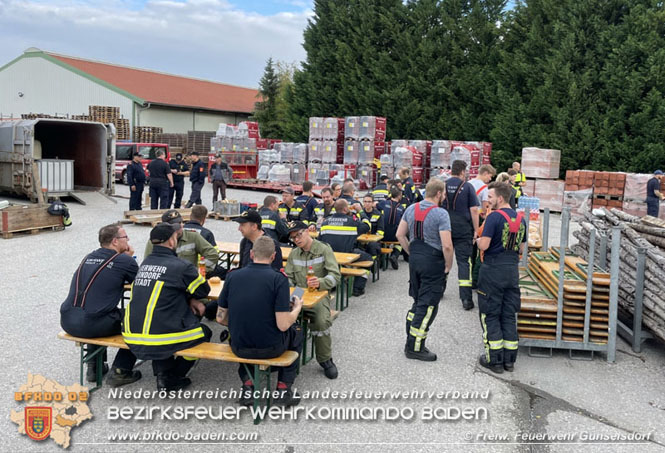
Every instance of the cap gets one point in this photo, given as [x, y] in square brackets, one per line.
[177, 155]
[161, 233]
[288, 190]
[249, 216]
[383, 177]
[194, 153]
[658, 172]
[172, 216]
[296, 225]
[135, 153]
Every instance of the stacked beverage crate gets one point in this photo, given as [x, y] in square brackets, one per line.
[364, 145]
[326, 148]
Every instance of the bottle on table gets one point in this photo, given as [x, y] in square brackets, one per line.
[202, 266]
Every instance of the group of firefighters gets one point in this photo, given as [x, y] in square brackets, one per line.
[472, 220]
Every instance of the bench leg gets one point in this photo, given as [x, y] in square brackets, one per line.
[98, 356]
[375, 271]
[260, 376]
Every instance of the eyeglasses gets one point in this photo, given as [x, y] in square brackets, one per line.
[298, 234]
[122, 237]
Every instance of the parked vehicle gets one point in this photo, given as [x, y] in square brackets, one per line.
[125, 150]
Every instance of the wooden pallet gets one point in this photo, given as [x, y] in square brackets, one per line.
[224, 217]
[32, 231]
[27, 219]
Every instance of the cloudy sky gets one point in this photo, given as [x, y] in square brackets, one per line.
[222, 40]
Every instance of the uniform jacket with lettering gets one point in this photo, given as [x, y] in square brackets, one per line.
[190, 246]
[341, 231]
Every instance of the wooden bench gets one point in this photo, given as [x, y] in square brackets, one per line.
[386, 250]
[345, 287]
[371, 265]
[210, 351]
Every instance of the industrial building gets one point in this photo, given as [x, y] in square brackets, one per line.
[47, 83]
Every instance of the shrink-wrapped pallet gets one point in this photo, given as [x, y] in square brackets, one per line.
[579, 201]
[550, 193]
[315, 128]
[636, 187]
[541, 163]
[440, 155]
[300, 153]
[352, 127]
[315, 151]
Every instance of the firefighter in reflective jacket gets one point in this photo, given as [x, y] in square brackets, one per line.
[393, 210]
[325, 208]
[381, 191]
[289, 208]
[411, 193]
[431, 256]
[272, 223]
[162, 316]
[341, 230]
[375, 218]
[502, 240]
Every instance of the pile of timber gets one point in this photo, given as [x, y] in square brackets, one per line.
[647, 232]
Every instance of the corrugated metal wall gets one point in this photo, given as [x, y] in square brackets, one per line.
[50, 89]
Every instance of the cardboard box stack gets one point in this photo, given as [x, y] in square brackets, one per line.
[543, 165]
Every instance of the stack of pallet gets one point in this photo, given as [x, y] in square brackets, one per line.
[199, 141]
[173, 140]
[146, 134]
[34, 116]
[543, 165]
[544, 268]
[107, 114]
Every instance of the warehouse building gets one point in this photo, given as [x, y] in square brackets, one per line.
[47, 83]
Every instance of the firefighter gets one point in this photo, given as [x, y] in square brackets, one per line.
[309, 202]
[393, 210]
[179, 170]
[196, 221]
[325, 208]
[289, 208]
[197, 176]
[375, 218]
[272, 223]
[161, 317]
[161, 180]
[249, 225]
[485, 174]
[341, 230]
[502, 240]
[348, 191]
[91, 308]
[136, 180]
[462, 206]
[431, 257]
[381, 192]
[411, 193]
[320, 257]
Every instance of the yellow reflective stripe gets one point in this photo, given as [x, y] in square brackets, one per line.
[339, 228]
[282, 209]
[485, 343]
[163, 339]
[131, 294]
[423, 327]
[367, 221]
[418, 333]
[465, 282]
[268, 221]
[191, 359]
[510, 344]
[470, 266]
[379, 232]
[496, 344]
[409, 316]
[375, 217]
[381, 191]
[150, 309]
[195, 284]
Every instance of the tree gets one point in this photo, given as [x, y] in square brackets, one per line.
[266, 109]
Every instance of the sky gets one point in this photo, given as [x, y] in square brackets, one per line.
[225, 41]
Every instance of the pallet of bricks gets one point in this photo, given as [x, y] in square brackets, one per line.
[541, 167]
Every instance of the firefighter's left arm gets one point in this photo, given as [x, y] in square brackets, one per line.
[380, 225]
[207, 251]
[197, 287]
[364, 225]
[402, 232]
[474, 217]
[333, 276]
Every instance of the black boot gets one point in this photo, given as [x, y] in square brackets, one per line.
[246, 398]
[188, 205]
[91, 373]
[509, 367]
[172, 382]
[468, 304]
[329, 369]
[496, 368]
[393, 260]
[122, 377]
[288, 397]
[424, 354]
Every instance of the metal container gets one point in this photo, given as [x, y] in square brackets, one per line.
[56, 175]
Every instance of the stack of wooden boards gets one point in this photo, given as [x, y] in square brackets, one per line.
[539, 287]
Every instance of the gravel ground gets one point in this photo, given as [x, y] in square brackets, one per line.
[551, 396]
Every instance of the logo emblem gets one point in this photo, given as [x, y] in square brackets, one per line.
[38, 421]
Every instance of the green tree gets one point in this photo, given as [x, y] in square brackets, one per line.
[266, 109]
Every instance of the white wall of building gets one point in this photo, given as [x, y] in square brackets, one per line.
[182, 120]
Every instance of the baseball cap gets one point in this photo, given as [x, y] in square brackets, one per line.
[383, 177]
[658, 172]
[249, 216]
[288, 190]
[135, 153]
[296, 225]
[194, 153]
[161, 233]
[172, 216]
[178, 155]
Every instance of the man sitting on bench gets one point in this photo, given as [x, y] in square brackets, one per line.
[91, 308]
[161, 317]
[254, 304]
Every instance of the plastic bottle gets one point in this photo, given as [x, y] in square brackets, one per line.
[310, 274]
[202, 266]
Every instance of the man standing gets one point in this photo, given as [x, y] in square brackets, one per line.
[430, 259]
[462, 206]
[340, 230]
[136, 180]
[411, 193]
[375, 218]
[308, 201]
[289, 208]
[162, 315]
[160, 181]
[91, 308]
[219, 174]
[197, 176]
[479, 183]
[520, 180]
[653, 194]
[312, 254]
[179, 170]
[196, 221]
[503, 238]
[393, 210]
[381, 192]
[272, 223]
[255, 305]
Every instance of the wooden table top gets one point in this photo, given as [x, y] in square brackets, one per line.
[342, 258]
[369, 238]
[310, 298]
[229, 247]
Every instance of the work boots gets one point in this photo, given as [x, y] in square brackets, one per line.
[424, 354]
[467, 304]
[287, 397]
[246, 398]
[495, 368]
[91, 373]
[329, 369]
[122, 377]
[394, 256]
[172, 382]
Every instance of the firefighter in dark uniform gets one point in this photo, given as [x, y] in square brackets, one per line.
[341, 230]
[272, 223]
[197, 176]
[179, 170]
[375, 218]
[348, 191]
[249, 225]
[393, 210]
[91, 308]
[136, 181]
[381, 191]
[430, 259]
[196, 221]
[411, 192]
[290, 209]
[462, 206]
[309, 202]
[325, 208]
[162, 316]
[161, 180]
[502, 240]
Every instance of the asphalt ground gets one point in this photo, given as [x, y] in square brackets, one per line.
[572, 400]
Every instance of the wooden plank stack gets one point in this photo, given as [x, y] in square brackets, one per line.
[199, 141]
[636, 232]
[173, 140]
[146, 134]
[537, 316]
